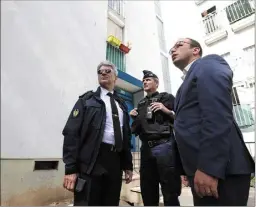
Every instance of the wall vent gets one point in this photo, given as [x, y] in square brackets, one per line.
[46, 165]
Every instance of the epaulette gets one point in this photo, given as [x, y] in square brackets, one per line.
[87, 95]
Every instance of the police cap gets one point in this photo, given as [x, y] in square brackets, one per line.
[149, 74]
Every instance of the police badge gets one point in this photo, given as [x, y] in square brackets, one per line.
[75, 113]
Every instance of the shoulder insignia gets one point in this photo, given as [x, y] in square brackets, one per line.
[87, 95]
[75, 113]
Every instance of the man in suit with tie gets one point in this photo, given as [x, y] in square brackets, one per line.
[97, 144]
[215, 158]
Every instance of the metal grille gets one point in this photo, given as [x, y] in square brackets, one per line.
[116, 56]
[242, 112]
[239, 10]
[117, 5]
[136, 155]
[210, 23]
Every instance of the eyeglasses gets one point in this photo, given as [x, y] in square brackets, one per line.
[178, 44]
[107, 71]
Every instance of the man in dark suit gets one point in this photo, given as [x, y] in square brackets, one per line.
[214, 156]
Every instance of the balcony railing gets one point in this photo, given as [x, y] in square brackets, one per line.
[211, 23]
[239, 10]
[243, 115]
[117, 6]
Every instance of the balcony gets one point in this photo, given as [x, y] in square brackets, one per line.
[213, 29]
[243, 115]
[117, 6]
[240, 14]
[116, 12]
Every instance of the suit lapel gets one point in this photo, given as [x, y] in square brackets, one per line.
[182, 88]
[177, 99]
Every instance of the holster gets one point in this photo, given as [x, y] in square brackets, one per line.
[83, 186]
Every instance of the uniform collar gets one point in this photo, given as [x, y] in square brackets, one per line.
[153, 94]
[105, 91]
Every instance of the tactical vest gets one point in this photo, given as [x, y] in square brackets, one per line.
[156, 124]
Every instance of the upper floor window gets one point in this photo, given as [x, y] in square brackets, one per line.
[161, 37]
[239, 10]
[117, 5]
[210, 20]
[116, 56]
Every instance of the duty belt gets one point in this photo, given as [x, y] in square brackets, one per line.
[153, 143]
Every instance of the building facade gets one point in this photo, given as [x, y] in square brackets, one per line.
[49, 52]
[226, 28]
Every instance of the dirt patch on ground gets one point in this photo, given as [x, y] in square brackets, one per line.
[62, 203]
[38, 197]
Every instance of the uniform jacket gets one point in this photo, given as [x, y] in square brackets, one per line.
[207, 134]
[83, 134]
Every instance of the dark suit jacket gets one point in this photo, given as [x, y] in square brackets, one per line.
[207, 134]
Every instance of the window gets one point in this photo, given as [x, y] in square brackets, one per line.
[166, 73]
[231, 60]
[239, 10]
[116, 5]
[160, 29]
[242, 112]
[210, 20]
[158, 8]
[116, 56]
[235, 98]
[248, 60]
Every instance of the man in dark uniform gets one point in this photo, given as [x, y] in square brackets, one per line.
[159, 155]
[97, 144]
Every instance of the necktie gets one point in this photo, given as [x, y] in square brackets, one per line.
[116, 124]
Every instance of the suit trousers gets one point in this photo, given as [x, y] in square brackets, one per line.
[233, 191]
[106, 180]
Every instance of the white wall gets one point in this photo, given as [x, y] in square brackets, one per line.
[186, 21]
[48, 60]
[141, 31]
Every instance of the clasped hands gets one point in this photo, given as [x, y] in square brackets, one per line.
[155, 106]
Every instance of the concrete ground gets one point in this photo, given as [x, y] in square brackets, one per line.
[186, 198]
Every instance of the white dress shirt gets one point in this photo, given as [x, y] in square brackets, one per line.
[108, 136]
[186, 69]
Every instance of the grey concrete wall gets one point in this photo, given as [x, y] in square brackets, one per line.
[21, 186]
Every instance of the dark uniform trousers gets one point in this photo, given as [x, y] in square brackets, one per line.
[158, 166]
[233, 191]
[106, 180]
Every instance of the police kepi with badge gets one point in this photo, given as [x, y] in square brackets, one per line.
[160, 162]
